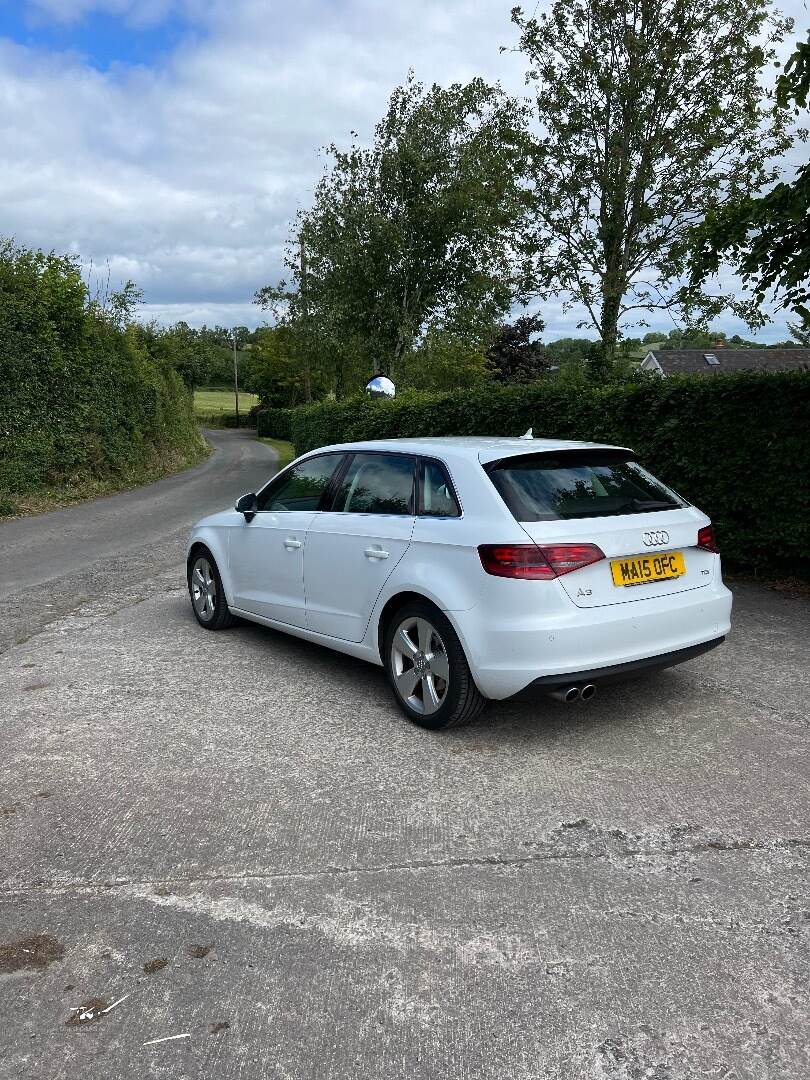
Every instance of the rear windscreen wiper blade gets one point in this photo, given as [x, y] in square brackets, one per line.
[648, 504]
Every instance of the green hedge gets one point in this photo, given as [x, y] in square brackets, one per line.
[275, 424]
[226, 420]
[738, 446]
[81, 398]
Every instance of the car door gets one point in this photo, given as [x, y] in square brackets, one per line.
[353, 547]
[266, 551]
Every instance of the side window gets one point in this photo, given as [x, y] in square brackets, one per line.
[377, 484]
[437, 496]
[301, 488]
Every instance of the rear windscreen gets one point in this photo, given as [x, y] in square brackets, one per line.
[578, 484]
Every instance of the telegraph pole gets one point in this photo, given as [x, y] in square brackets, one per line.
[305, 308]
[236, 378]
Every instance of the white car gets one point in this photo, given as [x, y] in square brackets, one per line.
[470, 568]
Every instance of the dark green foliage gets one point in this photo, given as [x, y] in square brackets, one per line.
[82, 395]
[274, 423]
[800, 332]
[567, 350]
[227, 420]
[768, 238]
[738, 446]
[513, 357]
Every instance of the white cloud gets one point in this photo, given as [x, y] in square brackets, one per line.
[185, 176]
[140, 13]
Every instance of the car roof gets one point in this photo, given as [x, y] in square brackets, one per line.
[483, 448]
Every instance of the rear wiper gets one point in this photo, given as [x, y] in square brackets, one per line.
[641, 505]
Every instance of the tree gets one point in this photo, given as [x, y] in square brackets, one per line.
[277, 371]
[513, 356]
[410, 233]
[800, 333]
[652, 113]
[182, 348]
[451, 354]
[568, 350]
[768, 238]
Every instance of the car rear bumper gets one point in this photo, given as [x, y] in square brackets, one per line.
[616, 673]
[510, 648]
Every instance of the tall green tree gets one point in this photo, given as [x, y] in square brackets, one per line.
[451, 354]
[652, 114]
[411, 232]
[768, 238]
[800, 332]
[278, 370]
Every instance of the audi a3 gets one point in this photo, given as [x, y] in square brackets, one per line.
[470, 569]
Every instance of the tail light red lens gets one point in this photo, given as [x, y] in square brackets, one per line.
[707, 540]
[533, 562]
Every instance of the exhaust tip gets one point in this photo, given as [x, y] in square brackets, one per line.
[568, 694]
[587, 692]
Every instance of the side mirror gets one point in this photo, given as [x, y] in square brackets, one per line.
[247, 505]
[380, 387]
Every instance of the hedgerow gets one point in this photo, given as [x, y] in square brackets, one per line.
[274, 423]
[738, 446]
[81, 397]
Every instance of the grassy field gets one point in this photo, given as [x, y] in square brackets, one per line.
[219, 402]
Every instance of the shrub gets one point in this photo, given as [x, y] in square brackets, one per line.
[274, 423]
[738, 446]
[82, 397]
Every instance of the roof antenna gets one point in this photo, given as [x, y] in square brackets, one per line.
[529, 434]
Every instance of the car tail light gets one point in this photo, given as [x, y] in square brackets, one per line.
[533, 562]
[707, 540]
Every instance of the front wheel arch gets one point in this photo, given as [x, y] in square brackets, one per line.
[196, 549]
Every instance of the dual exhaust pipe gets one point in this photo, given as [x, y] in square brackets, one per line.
[570, 694]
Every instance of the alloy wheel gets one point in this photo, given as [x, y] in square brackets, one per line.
[420, 666]
[203, 589]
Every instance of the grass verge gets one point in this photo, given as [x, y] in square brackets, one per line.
[81, 489]
[285, 450]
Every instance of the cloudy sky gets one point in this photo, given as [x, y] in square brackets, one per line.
[175, 139]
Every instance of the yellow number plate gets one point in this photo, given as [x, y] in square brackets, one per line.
[643, 568]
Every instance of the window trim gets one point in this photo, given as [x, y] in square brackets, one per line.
[420, 499]
[294, 465]
[328, 503]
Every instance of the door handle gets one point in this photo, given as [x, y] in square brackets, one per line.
[376, 553]
[291, 544]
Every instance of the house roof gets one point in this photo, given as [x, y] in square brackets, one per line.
[695, 362]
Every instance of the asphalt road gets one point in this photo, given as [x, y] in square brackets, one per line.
[614, 891]
[43, 547]
[50, 563]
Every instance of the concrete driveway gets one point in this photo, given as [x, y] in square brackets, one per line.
[241, 833]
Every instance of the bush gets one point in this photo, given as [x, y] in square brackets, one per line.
[226, 420]
[274, 423]
[738, 446]
[82, 397]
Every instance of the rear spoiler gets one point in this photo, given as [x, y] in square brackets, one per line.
[596, 454]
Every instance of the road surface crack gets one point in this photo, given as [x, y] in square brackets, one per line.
[516, 862]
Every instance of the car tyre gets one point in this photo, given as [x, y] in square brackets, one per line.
[427, 669]
[207, 595]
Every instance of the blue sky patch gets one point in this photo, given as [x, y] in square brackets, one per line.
[100, 39]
